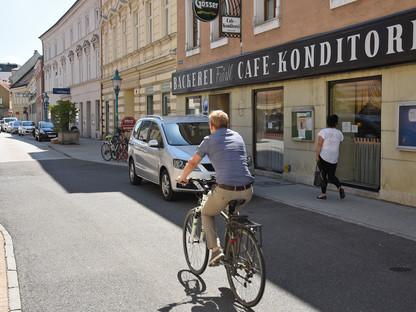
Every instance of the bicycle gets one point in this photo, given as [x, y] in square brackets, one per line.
[111, 148]
[243, 261]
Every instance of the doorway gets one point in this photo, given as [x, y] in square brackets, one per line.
[219, 102]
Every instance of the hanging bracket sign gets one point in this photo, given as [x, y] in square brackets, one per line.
[231, 19]
[205, 10]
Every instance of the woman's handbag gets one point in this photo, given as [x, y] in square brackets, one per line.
[317, 181]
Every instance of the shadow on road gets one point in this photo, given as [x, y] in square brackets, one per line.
[328, 264]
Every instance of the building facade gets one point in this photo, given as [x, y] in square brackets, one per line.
[22, 88]
[71, 50]
[288, 72]
[4, 99]
[139, 41]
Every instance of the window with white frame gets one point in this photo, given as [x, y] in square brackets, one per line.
[87, 25]
[192, 28]
[166, 18]
[136, 30]
[63, 42]
[266, 15]
[114, 43]
[337, 3]
[106, 44]
[216, 25]
[97, 63]
[149, 17]
[79, 30]
[71, 36]
[88, 66]
[96, 19]
[80, 68]
[125, 37]
[72, 74]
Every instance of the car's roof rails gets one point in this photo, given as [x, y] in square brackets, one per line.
[155, 116]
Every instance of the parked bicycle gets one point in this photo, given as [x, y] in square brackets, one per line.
[243, 261]
[111, 148]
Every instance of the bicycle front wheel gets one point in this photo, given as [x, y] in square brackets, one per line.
[195, 248]
[246, 271]
[106, 151]
[115, 151]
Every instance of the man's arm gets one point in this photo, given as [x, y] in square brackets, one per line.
[190, 166]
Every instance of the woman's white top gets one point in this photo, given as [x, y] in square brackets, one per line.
[330, 148]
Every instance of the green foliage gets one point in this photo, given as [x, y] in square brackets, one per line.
[63, 113]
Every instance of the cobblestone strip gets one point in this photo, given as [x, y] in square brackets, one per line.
[12, 283]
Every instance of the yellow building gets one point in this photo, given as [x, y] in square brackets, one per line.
[138, 38]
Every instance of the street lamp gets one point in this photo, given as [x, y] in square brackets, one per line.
[46, 105]
[116, 81]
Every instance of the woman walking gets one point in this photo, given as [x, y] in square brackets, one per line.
[327, 153]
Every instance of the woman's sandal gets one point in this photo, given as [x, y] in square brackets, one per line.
[321, 197]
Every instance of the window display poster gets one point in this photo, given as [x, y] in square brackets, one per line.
[406, 134]
[302, 125]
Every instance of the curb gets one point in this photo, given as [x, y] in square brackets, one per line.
[12, 281]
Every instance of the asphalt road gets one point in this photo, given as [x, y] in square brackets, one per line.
[87, 240]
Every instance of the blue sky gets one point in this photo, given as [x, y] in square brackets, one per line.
[23, 22]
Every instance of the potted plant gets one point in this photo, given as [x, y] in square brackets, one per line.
[64, 113]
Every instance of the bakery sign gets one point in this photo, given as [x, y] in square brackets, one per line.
[381, 42]
[205, 10]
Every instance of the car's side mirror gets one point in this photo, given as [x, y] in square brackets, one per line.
[153, 143]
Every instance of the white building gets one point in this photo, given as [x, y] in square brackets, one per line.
[71, 53]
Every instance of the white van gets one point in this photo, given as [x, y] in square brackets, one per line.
[6, 121]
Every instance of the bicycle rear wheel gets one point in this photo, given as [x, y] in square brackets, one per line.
[106, 151]
[195, 249]
[246, 271]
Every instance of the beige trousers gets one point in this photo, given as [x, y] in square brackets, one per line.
[217, 200]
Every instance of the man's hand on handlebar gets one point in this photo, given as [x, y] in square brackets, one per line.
[182, 180]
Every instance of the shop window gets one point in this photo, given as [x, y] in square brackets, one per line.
[193, 105]
[269, 130]
[358, 106]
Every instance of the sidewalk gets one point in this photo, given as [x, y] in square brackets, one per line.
[380, 215]
[384, 216]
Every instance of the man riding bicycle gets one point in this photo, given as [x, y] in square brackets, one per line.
[226, 150]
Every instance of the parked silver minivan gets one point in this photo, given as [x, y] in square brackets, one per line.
[160, 147]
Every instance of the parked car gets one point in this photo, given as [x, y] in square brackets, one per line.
[6, 121]
[15, 127]
[45, 130]
[26, 127]
[160, 147]
[9, 126]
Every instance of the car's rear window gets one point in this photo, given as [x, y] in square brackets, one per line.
[46, 124]
[28, 123]
[190, 133]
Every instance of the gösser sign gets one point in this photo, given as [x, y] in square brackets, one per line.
[206, 10]
[380, 42]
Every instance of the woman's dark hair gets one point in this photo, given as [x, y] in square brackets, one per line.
[332, 121]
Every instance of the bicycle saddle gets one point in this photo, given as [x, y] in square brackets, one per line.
[234, 203]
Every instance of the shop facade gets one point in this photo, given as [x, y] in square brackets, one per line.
[278, 99]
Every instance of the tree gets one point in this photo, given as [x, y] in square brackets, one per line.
[64, 113]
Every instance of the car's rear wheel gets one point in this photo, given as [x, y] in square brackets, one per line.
[134, 178]
[167, 192]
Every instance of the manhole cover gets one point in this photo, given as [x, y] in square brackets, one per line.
[400, 269]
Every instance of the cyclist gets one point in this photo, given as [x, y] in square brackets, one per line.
[226, 150]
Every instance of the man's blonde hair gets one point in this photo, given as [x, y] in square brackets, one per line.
[218, 119]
